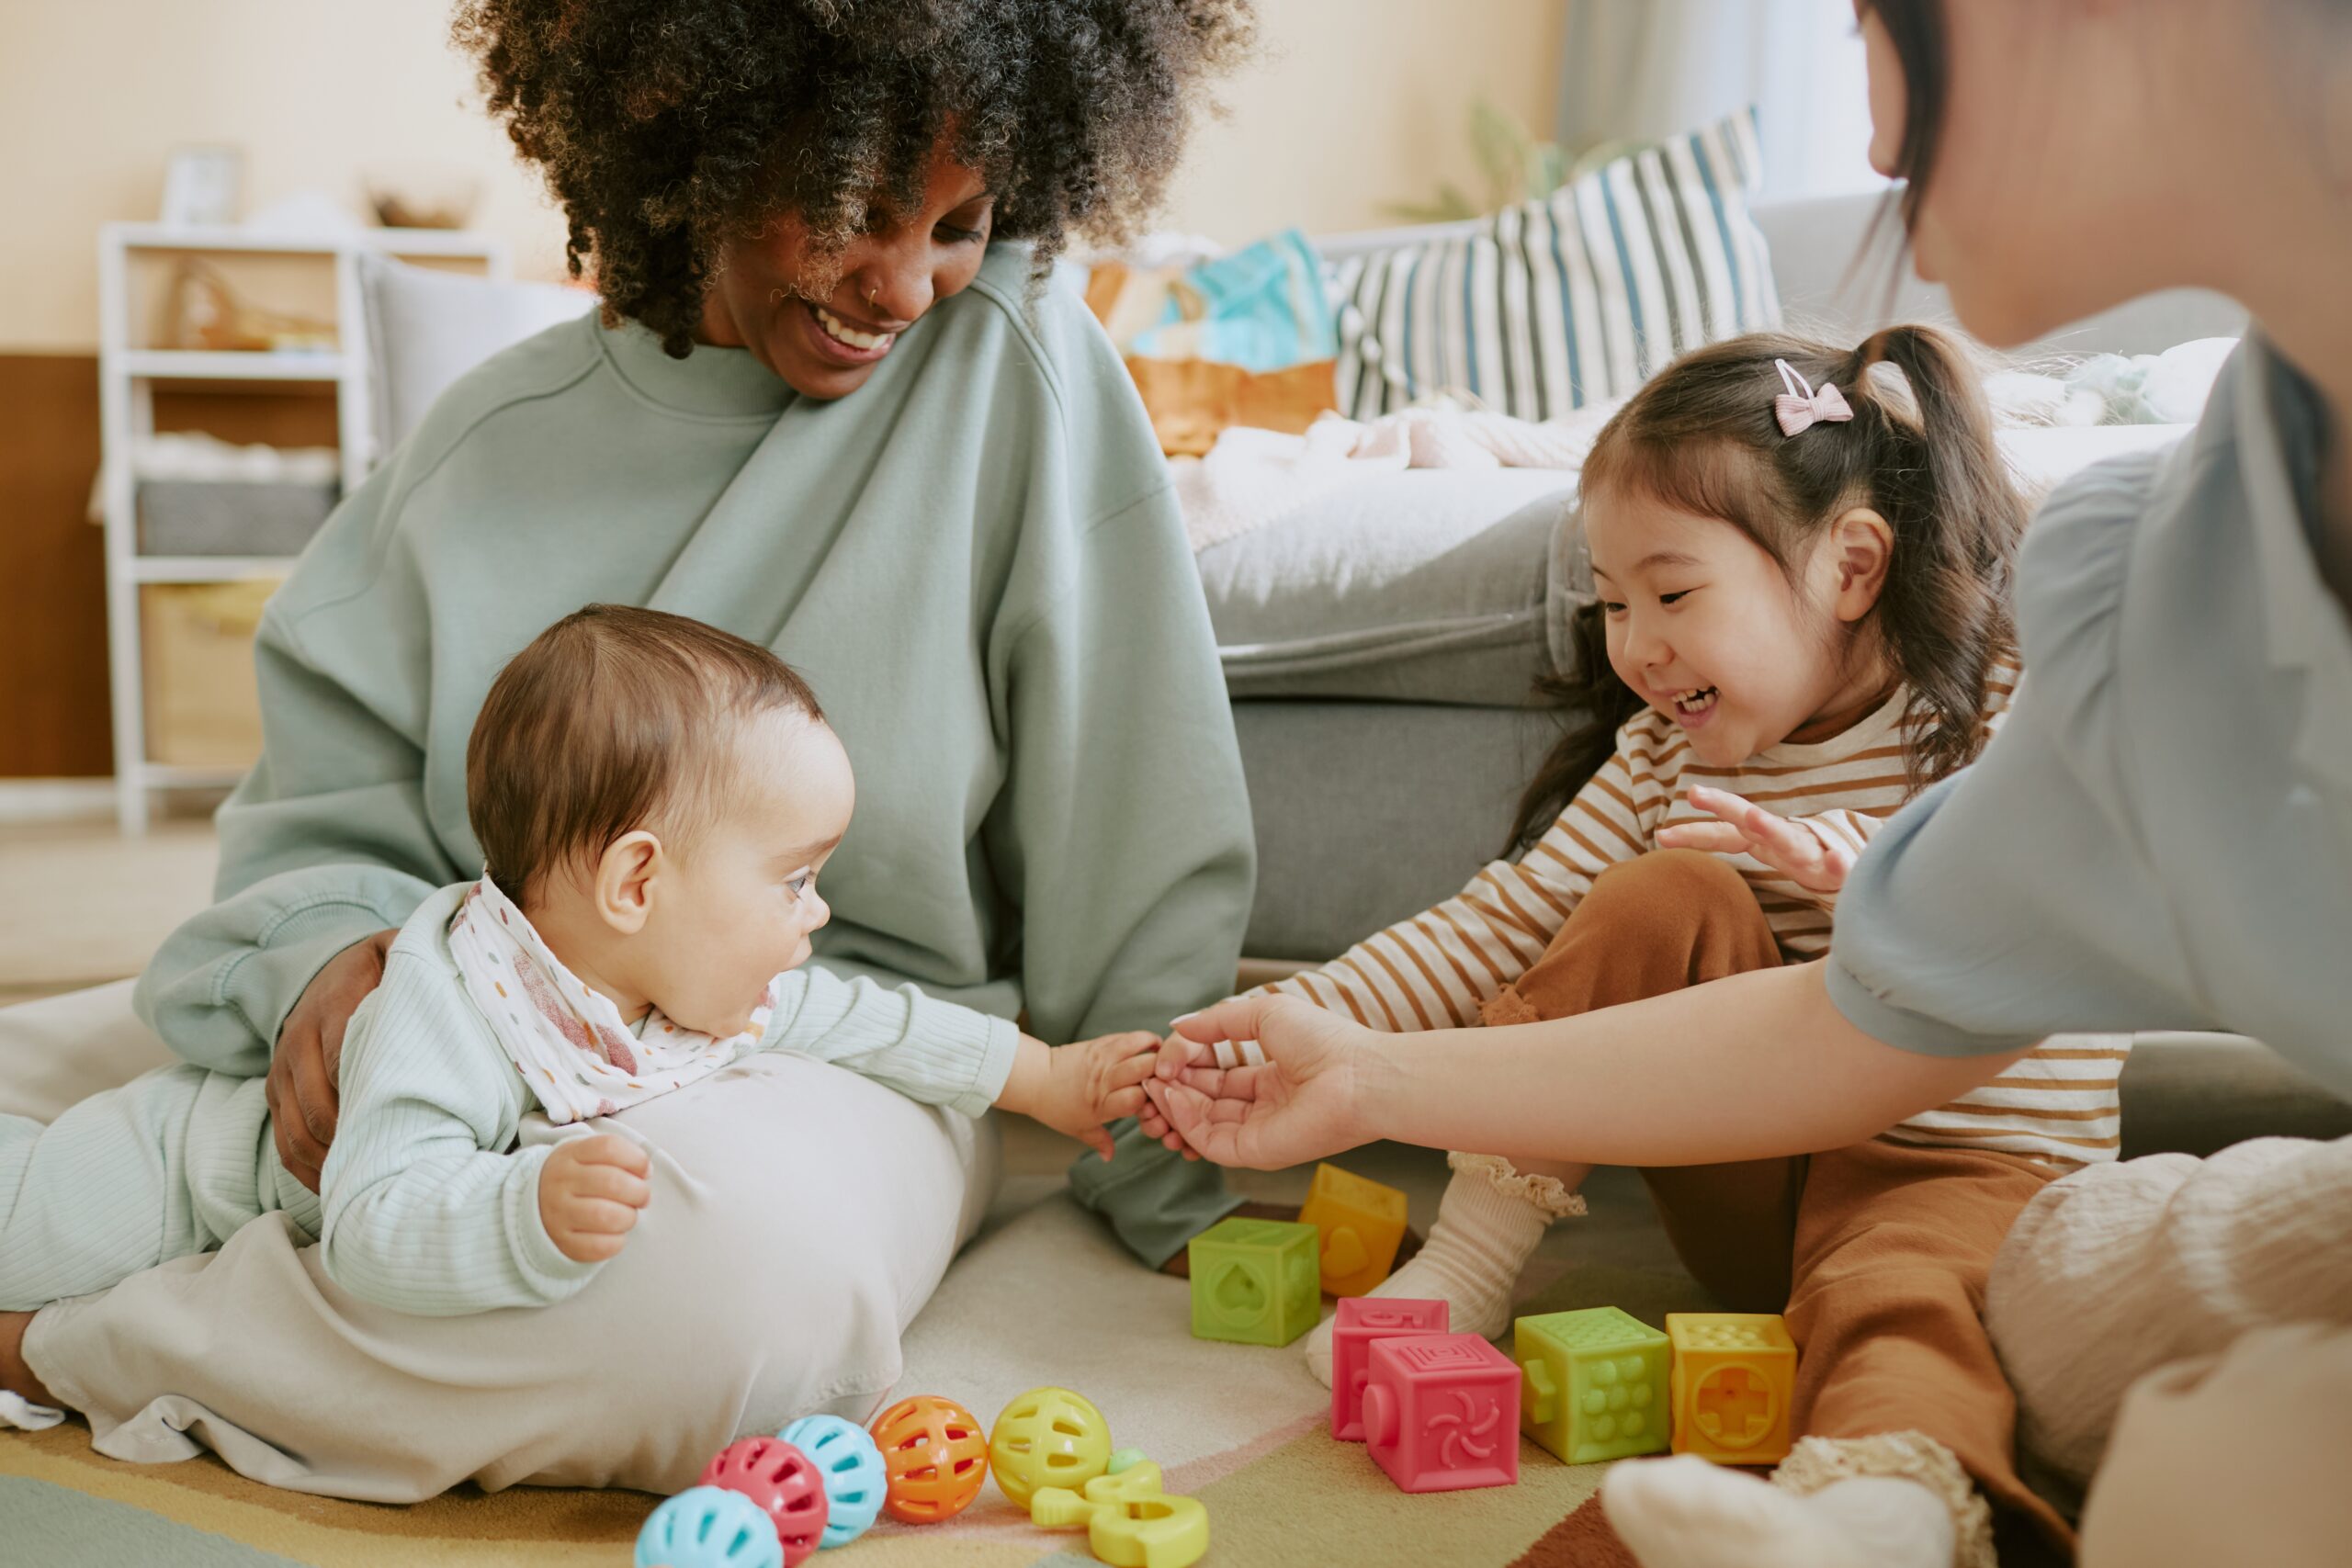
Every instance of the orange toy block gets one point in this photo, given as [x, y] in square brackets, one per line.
[1360, 1225]
[1733, 1372]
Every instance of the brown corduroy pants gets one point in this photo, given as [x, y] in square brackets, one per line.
[1877, 1254]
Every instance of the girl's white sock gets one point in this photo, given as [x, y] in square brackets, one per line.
[1686, 1513]
[1483, 1237]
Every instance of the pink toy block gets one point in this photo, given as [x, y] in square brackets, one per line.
[1441, 1412]
[1362, 1320]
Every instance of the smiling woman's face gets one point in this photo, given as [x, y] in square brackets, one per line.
[772, 295]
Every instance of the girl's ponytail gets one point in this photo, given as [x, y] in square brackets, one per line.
[1945, 490]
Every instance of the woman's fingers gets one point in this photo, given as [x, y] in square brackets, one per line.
[1236, 1018]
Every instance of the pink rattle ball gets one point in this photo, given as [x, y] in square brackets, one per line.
[783, 1482]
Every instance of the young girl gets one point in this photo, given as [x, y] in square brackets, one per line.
[1802, 562]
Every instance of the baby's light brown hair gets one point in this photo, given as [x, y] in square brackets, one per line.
[613, 719]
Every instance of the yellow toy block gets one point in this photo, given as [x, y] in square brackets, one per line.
[1733, 1374]
[1360, 1225]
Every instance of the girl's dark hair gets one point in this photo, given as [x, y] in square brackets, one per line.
[1702, 438]
[668, 127]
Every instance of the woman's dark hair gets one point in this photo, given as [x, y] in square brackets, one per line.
[1916, 29]
[1702, 438]
[668, 127]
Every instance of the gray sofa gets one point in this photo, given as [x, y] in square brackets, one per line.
[1382, 645]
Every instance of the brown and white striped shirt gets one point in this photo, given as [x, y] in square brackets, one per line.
[1433, 971]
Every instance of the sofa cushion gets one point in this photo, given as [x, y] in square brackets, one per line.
[1427, 585]
[1552, 305]
[427, 328]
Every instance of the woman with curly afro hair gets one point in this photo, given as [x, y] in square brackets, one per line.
[833, 403]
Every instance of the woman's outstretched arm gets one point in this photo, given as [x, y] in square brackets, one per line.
[1741, 1068]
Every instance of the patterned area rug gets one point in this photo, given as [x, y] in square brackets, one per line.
[1045, 1297]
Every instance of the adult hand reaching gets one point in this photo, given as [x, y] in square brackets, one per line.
[1302, 1099]
[302, 1086]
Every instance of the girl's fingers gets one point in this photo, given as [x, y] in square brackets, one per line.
[1780, 842]
[1715, 838]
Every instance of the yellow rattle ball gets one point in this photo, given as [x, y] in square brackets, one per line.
[1048, 1436]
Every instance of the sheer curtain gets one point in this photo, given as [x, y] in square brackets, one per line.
[1643, 69]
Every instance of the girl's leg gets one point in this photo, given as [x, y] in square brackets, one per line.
[1667, 920]
[1672, 919]
[1903, 1404]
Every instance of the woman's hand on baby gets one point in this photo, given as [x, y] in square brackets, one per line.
[1806, 855]
[301, 1089]
[590, 1192]
[1075, 1089]
[1293, 1092]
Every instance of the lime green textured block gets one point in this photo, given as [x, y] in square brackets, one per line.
[1255, 1282]
[1594, 1384]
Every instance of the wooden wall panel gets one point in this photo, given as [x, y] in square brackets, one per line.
[54, 719]
[53, 711]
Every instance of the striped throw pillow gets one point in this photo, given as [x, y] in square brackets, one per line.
[1551, 305]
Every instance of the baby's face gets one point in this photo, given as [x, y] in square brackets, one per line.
[740, 903]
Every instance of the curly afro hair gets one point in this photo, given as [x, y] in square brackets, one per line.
[668, 127]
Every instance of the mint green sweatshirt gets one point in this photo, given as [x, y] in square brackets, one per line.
[976, 560]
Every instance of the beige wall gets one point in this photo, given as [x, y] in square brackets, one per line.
[1353, 104]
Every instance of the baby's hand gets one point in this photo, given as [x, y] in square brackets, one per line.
[1089, 1082]
[1799, 849]
[590, 1192]
[1188, 1053]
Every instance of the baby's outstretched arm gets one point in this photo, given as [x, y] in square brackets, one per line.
[1075, 1089]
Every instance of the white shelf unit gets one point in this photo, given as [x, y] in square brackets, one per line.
[128, 375]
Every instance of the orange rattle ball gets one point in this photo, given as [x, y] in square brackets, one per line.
[934, 1455]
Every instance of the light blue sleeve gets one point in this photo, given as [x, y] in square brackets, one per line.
[930, 1051]
[2015, 900]
[424, 1213]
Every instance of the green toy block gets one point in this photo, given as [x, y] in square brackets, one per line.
[1594, 1384]
[1255, 1282]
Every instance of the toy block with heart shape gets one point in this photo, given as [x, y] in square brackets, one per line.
[1733, 1374]
[1255, 1282]
[1362, 1223]
[1362, 1320]
[1441, 1412]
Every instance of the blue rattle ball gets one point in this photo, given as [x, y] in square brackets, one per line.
[856, 1481]
[709, 1526]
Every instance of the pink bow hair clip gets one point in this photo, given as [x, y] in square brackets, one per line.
[1799, 411]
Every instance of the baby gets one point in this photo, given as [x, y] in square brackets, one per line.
[655, 800]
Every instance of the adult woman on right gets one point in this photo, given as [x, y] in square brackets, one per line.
[2161, 838]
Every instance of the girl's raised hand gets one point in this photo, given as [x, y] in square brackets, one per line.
[1810, 856]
